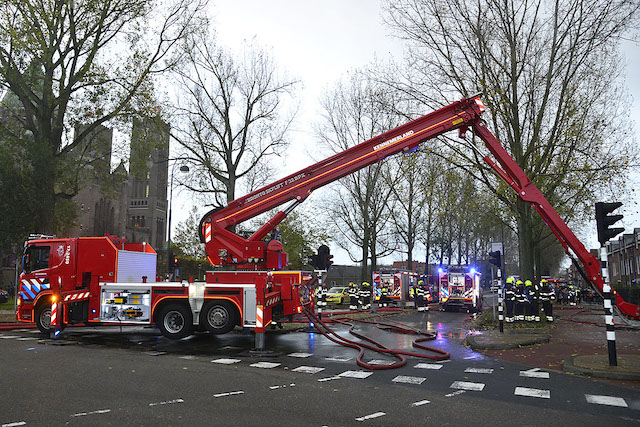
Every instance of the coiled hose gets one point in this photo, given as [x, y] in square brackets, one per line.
[329, 333]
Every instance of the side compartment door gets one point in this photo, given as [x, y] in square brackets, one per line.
[249, 307]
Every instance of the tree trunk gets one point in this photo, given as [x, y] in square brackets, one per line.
[525, 240]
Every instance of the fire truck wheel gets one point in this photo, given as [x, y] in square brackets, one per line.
[175, 321]
[219, 317]
[43, 318]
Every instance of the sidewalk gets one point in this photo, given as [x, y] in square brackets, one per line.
[575, 343]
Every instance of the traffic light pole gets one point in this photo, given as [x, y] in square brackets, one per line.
[500, 302]
[608, 309]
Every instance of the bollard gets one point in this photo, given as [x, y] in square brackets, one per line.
[608, 309]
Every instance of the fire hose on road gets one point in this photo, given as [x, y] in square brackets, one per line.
[329, 333]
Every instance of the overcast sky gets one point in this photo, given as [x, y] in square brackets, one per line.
[318, 41]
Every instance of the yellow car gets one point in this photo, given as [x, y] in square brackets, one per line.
[338, 295]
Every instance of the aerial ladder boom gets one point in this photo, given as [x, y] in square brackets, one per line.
[226, 248]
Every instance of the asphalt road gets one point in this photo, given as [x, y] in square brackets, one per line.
[102, 377]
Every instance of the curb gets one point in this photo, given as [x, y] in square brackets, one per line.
[516, 340]
[615, 373]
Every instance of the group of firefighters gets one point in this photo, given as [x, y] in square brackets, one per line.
[360, 297]
[525, 301]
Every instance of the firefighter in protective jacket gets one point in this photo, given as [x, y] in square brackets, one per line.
[353, 296]
[365, 295]
[521, 300]
[547, 296]
[421, 297]
[384, 296]
[509, 298]
[530, 295]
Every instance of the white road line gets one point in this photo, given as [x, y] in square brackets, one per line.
[302, 355]
[479, 370]
[9, 336]
[328, 379]
[428, 366]
[275, 387]
[420, 403]
[100, 411]
[338, 359]
[455, 393]
[168, 402]
[368, 417]
[226, 361]
[27, 339]
[381, 362]
[355, 374]
[532, 392]
[19, 423]
[155, 353]
[188, 357]
[265, 365]
[464, 385]
[606, 400]
[534, 373]
[408, 380]
[231, 393]
[308, 369]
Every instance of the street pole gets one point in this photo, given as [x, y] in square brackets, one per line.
[500, 299]
[608, 308]
[183, 168]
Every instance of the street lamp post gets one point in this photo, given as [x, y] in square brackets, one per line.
[184, 169]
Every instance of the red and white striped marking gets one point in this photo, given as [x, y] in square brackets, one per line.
[54, 314]
[207, 232]
[259, 317]
[78, 296]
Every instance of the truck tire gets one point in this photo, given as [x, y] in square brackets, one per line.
[43, 318]
[175, 321]
[219, 317]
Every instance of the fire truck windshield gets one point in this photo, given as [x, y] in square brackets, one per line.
[35, 258]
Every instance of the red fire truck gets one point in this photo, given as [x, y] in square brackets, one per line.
[91, 287]
[459, 288]
[397, 282]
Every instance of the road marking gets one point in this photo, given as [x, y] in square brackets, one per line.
[479, 370]
[328, 379]
[231, 393]
[368, 417]
[27, 339]
[100, 411]
[408, 380]
[455, 393]
[464, 385]
[226, 361]
[428, 366]
[168, 402]
[265, 365]
[9, 336]
[189, 357]
[338, 359]
[302, 355]
[155, 353]
[382, 362]
[420, 403]
[534, 373]
[308, 369]
[355, 374]
[532, 392]
[606, 400]
[19, 423]
[275, 387]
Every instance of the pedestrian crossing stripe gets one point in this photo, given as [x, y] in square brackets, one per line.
[479, 370]
[606, 400]
[308, 369]
[428, 366]
[265, 365]
[355, 374]
[408, 380]
[225, 361]
[302, 355]
[464, 385]
[532, 392]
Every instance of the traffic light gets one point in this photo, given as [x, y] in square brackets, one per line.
[325, 259]
[495, 258]
[312, 260]
[604, 221]
[175, 262]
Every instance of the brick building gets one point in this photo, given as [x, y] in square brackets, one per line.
[623, 258]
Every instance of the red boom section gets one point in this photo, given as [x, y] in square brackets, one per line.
[513, 175]
[224, 247]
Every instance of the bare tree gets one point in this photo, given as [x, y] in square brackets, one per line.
[355, 112]
[548, 71]
[230, 119]
[84, 62]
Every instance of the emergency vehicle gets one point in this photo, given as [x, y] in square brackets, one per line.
[398, 283]
[460, 288]
[101, 280]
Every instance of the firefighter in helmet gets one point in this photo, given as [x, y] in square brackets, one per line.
[353, 296]
[365, 295]
[384, 295]
[421, 297]
[509, 298]
[530, 297]
[521, 300]
[547, 296]
[412, 294]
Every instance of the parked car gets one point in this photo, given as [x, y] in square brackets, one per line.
[338, 295]
[4, 296]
